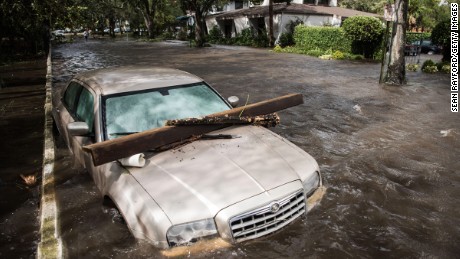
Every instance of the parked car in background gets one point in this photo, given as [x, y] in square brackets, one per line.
[241, 187]
[411, 50]
[57, 35]
[427, 47]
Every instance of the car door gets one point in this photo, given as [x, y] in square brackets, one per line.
[78, 105]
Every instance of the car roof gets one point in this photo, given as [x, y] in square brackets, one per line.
[134, 78]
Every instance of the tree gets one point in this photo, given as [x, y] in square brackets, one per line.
[200, 8]
[148, 8]
[441, 36]
[396, 72]
[371, 6]
[424, 14]
[24, 24]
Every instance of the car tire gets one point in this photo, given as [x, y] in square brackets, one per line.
[430, 52]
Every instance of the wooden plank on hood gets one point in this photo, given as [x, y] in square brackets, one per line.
[111, 150]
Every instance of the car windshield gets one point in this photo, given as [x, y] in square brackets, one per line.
[138, 111]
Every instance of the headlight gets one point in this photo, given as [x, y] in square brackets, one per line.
[190, 232]
[312, 183]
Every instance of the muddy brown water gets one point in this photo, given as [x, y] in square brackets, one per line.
[392, 178]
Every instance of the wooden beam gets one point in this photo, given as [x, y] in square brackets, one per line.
[111, 150]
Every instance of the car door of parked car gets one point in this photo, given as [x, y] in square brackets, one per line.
[78, 105]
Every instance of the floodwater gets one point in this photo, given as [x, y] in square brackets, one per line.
[389, 156]
[22, 96]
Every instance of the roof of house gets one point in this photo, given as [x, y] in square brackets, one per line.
[262, 11]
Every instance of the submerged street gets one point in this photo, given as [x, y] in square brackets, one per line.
[389, 156]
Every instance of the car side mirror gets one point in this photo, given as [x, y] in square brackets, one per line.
[78, 128]
[233, 100]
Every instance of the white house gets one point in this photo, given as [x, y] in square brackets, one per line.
[238, 15]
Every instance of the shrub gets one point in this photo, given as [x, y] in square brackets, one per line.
[366, 34]
[353, 56]
[442, 64]
[245, 38]
[314, 52]
[286, 39]
[412, 67]
[181, 35]
[358, 57]
[215, 35]
[416, 36]
[428, 63]
[430, 69]
[338, 55]
[167, 35]
[445, 69]
[278, 49]
[261, 40]
[323, 38]
[326, 57]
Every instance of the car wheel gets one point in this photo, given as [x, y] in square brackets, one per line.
[430, 52]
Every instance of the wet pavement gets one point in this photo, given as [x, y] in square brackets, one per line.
[389, 155]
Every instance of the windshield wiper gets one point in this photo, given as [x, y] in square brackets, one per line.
[219, 136]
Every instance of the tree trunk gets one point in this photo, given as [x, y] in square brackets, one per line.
[199, 34]
[271, 37]
[149, 23]
[148, 11]
[112, 27]
[396, 73]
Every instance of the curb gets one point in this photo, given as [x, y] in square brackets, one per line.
[50, 245]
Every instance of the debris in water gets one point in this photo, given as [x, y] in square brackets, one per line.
[358, 109]
[447, 133]
[29, 180]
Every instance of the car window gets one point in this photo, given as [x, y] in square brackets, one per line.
[140, 111]
[70, 96]
[85, 108]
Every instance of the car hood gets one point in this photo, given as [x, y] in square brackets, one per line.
[197, 180]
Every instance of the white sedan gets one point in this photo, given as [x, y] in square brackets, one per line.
[239, 188]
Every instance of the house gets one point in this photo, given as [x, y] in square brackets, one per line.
[237, 15]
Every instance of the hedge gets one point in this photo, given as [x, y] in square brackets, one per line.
[366, 34]
[413, 36]
[323, 38]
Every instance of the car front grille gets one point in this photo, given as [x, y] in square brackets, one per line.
[263, 221]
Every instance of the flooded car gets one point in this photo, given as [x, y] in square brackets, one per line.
[239, 188]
